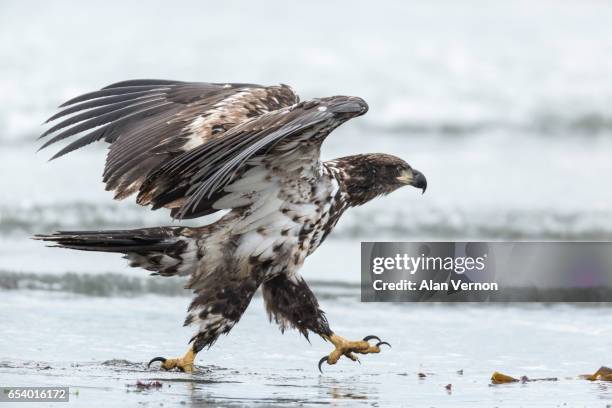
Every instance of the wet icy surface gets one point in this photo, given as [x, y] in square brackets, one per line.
[99, 346]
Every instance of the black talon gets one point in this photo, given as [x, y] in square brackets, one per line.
[368, 338]
[380, 343]
[160, 359]
[321, 362]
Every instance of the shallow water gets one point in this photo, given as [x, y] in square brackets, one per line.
[99, 346]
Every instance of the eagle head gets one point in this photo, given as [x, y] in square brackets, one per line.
[367, 176]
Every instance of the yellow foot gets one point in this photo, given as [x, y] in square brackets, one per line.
[346, 348]
[184, 363]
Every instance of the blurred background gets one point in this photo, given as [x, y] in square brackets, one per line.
[505, 106]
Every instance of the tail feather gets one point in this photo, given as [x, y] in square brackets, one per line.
[165, 251]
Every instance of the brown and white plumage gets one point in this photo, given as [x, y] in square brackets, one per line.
[197, 148]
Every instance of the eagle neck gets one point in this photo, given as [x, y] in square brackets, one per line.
[356, 187]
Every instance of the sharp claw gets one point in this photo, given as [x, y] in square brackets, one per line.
[160, 359]
[368, 338]
[380, 343]
[321, 363]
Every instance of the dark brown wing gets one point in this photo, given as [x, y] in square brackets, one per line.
[148, 122]
[193, 181]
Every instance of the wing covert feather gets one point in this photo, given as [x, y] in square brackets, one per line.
[149, 121]
[193, 181]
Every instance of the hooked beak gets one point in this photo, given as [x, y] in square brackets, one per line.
[413, 178]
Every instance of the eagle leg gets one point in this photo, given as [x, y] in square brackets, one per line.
[184, 364]
[347, 348]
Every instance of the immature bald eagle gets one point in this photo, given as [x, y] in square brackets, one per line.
[197, 148]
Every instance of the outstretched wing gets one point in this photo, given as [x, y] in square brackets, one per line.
[246, 158]
[148, 122]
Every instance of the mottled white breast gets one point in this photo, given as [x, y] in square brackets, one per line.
[281, 211]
